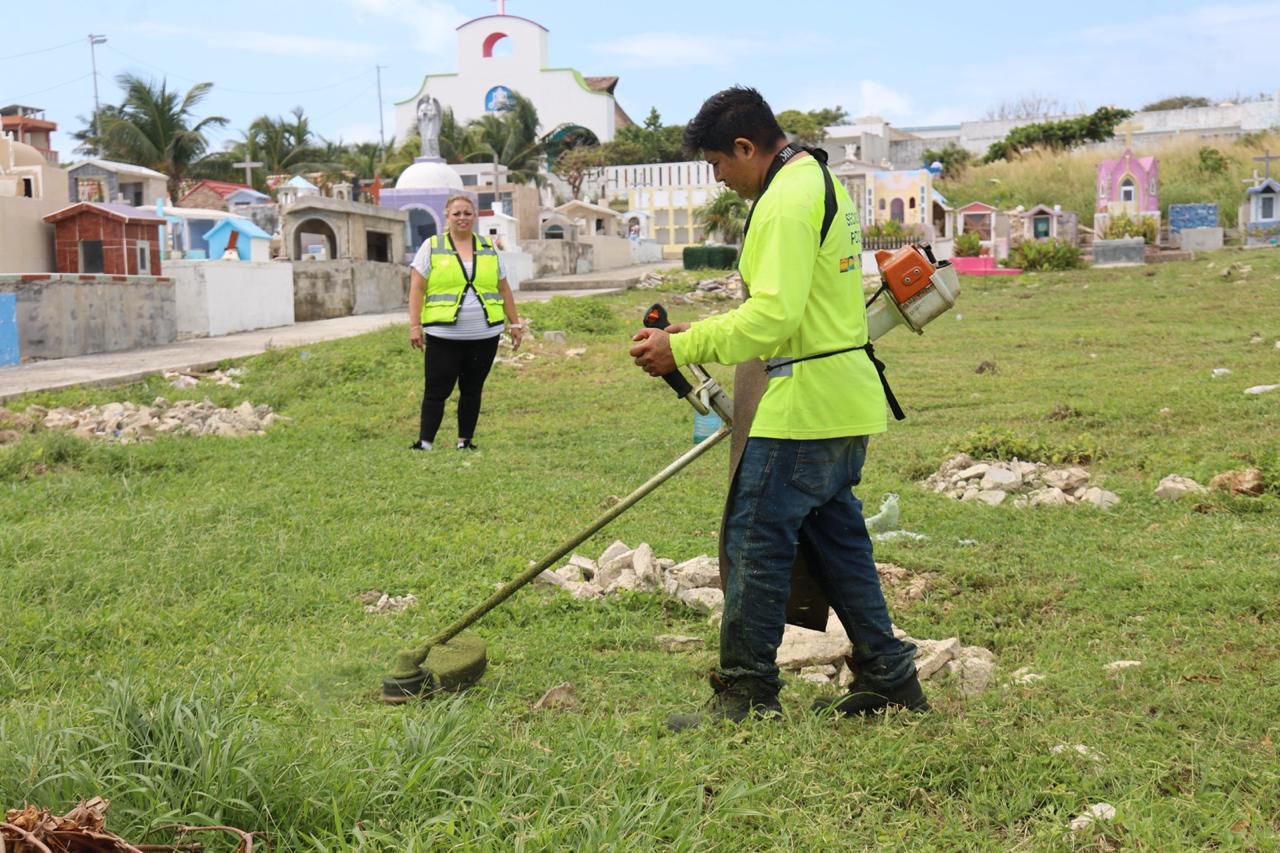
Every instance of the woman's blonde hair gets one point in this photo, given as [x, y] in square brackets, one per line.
[448, 203]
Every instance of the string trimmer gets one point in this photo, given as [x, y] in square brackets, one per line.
[920, 290]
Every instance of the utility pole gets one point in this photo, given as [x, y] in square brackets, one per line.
[382, 139]
[93, 61]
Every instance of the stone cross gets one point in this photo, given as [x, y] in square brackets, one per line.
[248, 166]
[1128, 128]
[1265, 160]
[1254, 181]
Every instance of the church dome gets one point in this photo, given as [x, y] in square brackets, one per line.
[429, 175]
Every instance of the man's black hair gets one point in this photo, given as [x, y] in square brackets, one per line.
[736, 112]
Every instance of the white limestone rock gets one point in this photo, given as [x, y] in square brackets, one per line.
[648, 575]
[932, 655]
[674, 643]
[626, 580]
[586, 591]
[616, 549]
[1101, 498]
[992, 497]
[1174, 487]
[1096, 813]
[1000, 478]
[802, 647]
[701, 571]
[972, 670]
[703, 600]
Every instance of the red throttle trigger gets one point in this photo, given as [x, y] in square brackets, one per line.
[656, 318]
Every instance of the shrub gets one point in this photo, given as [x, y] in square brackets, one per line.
[993, 443]
[709, 257]
[1123, 225]
[968, 245]
[1045, 255]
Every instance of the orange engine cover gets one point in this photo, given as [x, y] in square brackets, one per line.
[906, 272]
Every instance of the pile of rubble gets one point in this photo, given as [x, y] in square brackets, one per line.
[129, 422]
[186, 379]
[1248, 482]
[1029, 483]
[816, 656]
[377, 601]
[726, 287]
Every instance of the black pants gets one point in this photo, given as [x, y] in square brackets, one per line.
[448, 363]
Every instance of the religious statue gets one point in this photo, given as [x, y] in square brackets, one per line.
[429, 125]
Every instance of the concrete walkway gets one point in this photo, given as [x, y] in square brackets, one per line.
[606, 280]
[118, 368]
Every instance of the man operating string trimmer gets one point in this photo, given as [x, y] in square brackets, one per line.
[802, 336]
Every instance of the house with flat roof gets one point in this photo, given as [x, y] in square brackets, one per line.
[108, 181]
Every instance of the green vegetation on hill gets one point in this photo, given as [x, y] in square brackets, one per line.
[1191, 171]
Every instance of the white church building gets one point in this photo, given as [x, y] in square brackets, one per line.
[501, 54]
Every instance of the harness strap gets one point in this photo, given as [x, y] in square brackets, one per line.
[783, 366]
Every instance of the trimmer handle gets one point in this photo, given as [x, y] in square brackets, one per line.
[656, 318]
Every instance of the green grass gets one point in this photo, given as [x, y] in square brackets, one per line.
[180, 632]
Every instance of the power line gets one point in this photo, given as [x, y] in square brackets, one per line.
[222, 88]
[18, 98]
[41, 50]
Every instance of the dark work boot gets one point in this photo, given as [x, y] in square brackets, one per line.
[863, 700]
[735, 702]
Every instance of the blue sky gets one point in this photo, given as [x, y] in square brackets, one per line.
[912, 68]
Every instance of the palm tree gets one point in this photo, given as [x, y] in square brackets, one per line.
[285, 146]
[155, 127]
[725, 215]
[512, 136]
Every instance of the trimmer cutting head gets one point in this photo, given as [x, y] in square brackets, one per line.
[452, 666]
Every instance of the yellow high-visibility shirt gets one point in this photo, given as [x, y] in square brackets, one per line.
[804, 300]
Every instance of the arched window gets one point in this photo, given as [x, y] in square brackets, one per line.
[882, 204]
[1128, 192]
[895, 211]
[497, 44]
[911, 203]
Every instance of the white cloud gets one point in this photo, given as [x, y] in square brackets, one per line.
[433, 23]
[878, 99]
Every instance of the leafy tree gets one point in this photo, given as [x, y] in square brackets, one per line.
[1098, 126]
[954, 159]
[578, 164]
[1177, 102]
[90, 140]
[622, 153]
[725, 216]
[156, 127]
[659, 143]
[810, 128]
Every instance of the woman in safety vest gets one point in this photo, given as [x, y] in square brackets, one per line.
[458, 297]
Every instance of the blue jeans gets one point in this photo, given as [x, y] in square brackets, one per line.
[786, 489]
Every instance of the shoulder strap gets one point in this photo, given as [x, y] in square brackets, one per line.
[828, 200]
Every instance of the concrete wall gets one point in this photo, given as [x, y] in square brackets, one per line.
[221, 297]
[1207, 239]
[65, 315]
[609, 253]
[26, 242]
[519, 267]
[326, 289]
[1115, 253]
[558, 257]
[646, 252]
